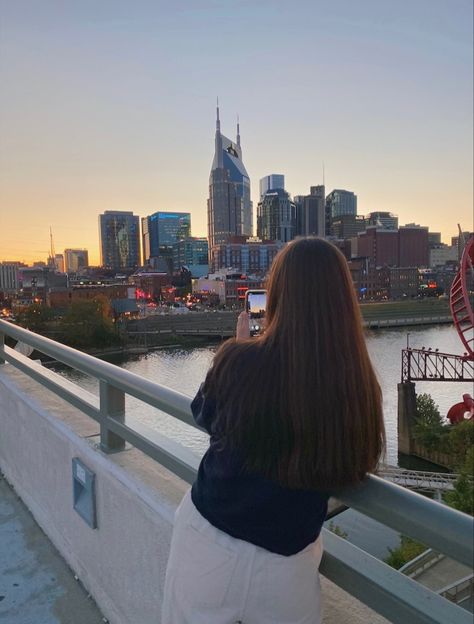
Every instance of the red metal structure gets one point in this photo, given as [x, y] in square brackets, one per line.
[460, 299]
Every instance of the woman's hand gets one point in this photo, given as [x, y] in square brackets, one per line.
[243, 327]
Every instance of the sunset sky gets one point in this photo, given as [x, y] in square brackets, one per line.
[110, 105]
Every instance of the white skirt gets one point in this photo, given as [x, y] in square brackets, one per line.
[213, 578]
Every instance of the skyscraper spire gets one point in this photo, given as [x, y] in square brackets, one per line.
[218, 122]
[238, 131]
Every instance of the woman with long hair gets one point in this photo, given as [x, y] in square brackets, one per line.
[293, 416]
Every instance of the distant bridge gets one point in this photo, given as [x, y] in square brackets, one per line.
[419, 480]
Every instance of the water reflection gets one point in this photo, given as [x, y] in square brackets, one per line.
[185, 369]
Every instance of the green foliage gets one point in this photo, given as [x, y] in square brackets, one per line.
[86, 324]
[334, 528]
[35, 317]
[408, 550]
[459, 440]
[429, 428]
[462, 497]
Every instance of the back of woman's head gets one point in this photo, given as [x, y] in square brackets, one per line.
[302, 402]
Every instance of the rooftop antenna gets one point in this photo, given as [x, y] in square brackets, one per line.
[218, 121]
[51, 245]
[238, 131]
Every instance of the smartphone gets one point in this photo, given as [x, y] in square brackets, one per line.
[255, 305]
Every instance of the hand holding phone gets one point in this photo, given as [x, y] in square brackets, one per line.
[243, 328]
[255, 305]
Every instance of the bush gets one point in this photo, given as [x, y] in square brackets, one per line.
[408, 550]
[462, 497]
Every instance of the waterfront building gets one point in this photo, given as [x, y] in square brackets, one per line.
[161, 230]
[379, 246]
[75, 260]
[251, 256]
[276, 217]
[36, 283]
[310, 212]
[225, 288]
[149, 285]
[385, 220]
[119, 240]
[192, 253]
[229, 208]
[413, 246]
[271, 182]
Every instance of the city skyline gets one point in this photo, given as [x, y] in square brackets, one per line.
[107, 108]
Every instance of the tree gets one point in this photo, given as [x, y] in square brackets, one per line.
[86, 324]
[462, 497]
[35, 317]
[429, 427]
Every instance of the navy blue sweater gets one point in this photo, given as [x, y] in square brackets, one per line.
[249, 506]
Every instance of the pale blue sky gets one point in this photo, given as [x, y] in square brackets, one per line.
[111, 105]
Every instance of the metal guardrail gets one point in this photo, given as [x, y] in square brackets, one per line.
[393, 595]
[459, 591]
[421, 563]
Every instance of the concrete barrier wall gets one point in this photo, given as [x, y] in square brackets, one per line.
[121, 563]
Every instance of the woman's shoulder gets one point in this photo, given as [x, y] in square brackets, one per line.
[239, 350]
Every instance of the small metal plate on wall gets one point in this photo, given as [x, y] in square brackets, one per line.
[83, 483]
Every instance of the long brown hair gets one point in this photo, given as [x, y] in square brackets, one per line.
[302, 402]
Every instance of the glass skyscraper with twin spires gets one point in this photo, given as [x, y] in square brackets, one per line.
[229, 208]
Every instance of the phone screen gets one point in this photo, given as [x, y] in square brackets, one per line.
[256, 304]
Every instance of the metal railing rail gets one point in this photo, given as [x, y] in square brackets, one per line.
[395, 596]
[421, 563]
[459, 591]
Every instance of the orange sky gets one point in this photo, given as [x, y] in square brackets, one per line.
[107, 108]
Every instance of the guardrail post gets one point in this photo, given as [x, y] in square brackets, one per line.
[2, 347]
[112, 404]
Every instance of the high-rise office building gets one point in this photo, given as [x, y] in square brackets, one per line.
[310, 212]
[119, 240]
[193, 253]
[271, 182]
[161, 230]
[229, 208]
[75, 260]
[340, 202]
[276, 217]
[9, 278]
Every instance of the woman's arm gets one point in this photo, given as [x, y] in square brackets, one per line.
[203, 409]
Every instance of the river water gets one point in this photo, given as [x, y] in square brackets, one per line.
[185, 369]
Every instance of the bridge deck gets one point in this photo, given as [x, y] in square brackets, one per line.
[36, 585]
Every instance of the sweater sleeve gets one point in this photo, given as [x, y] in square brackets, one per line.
[203, 409]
